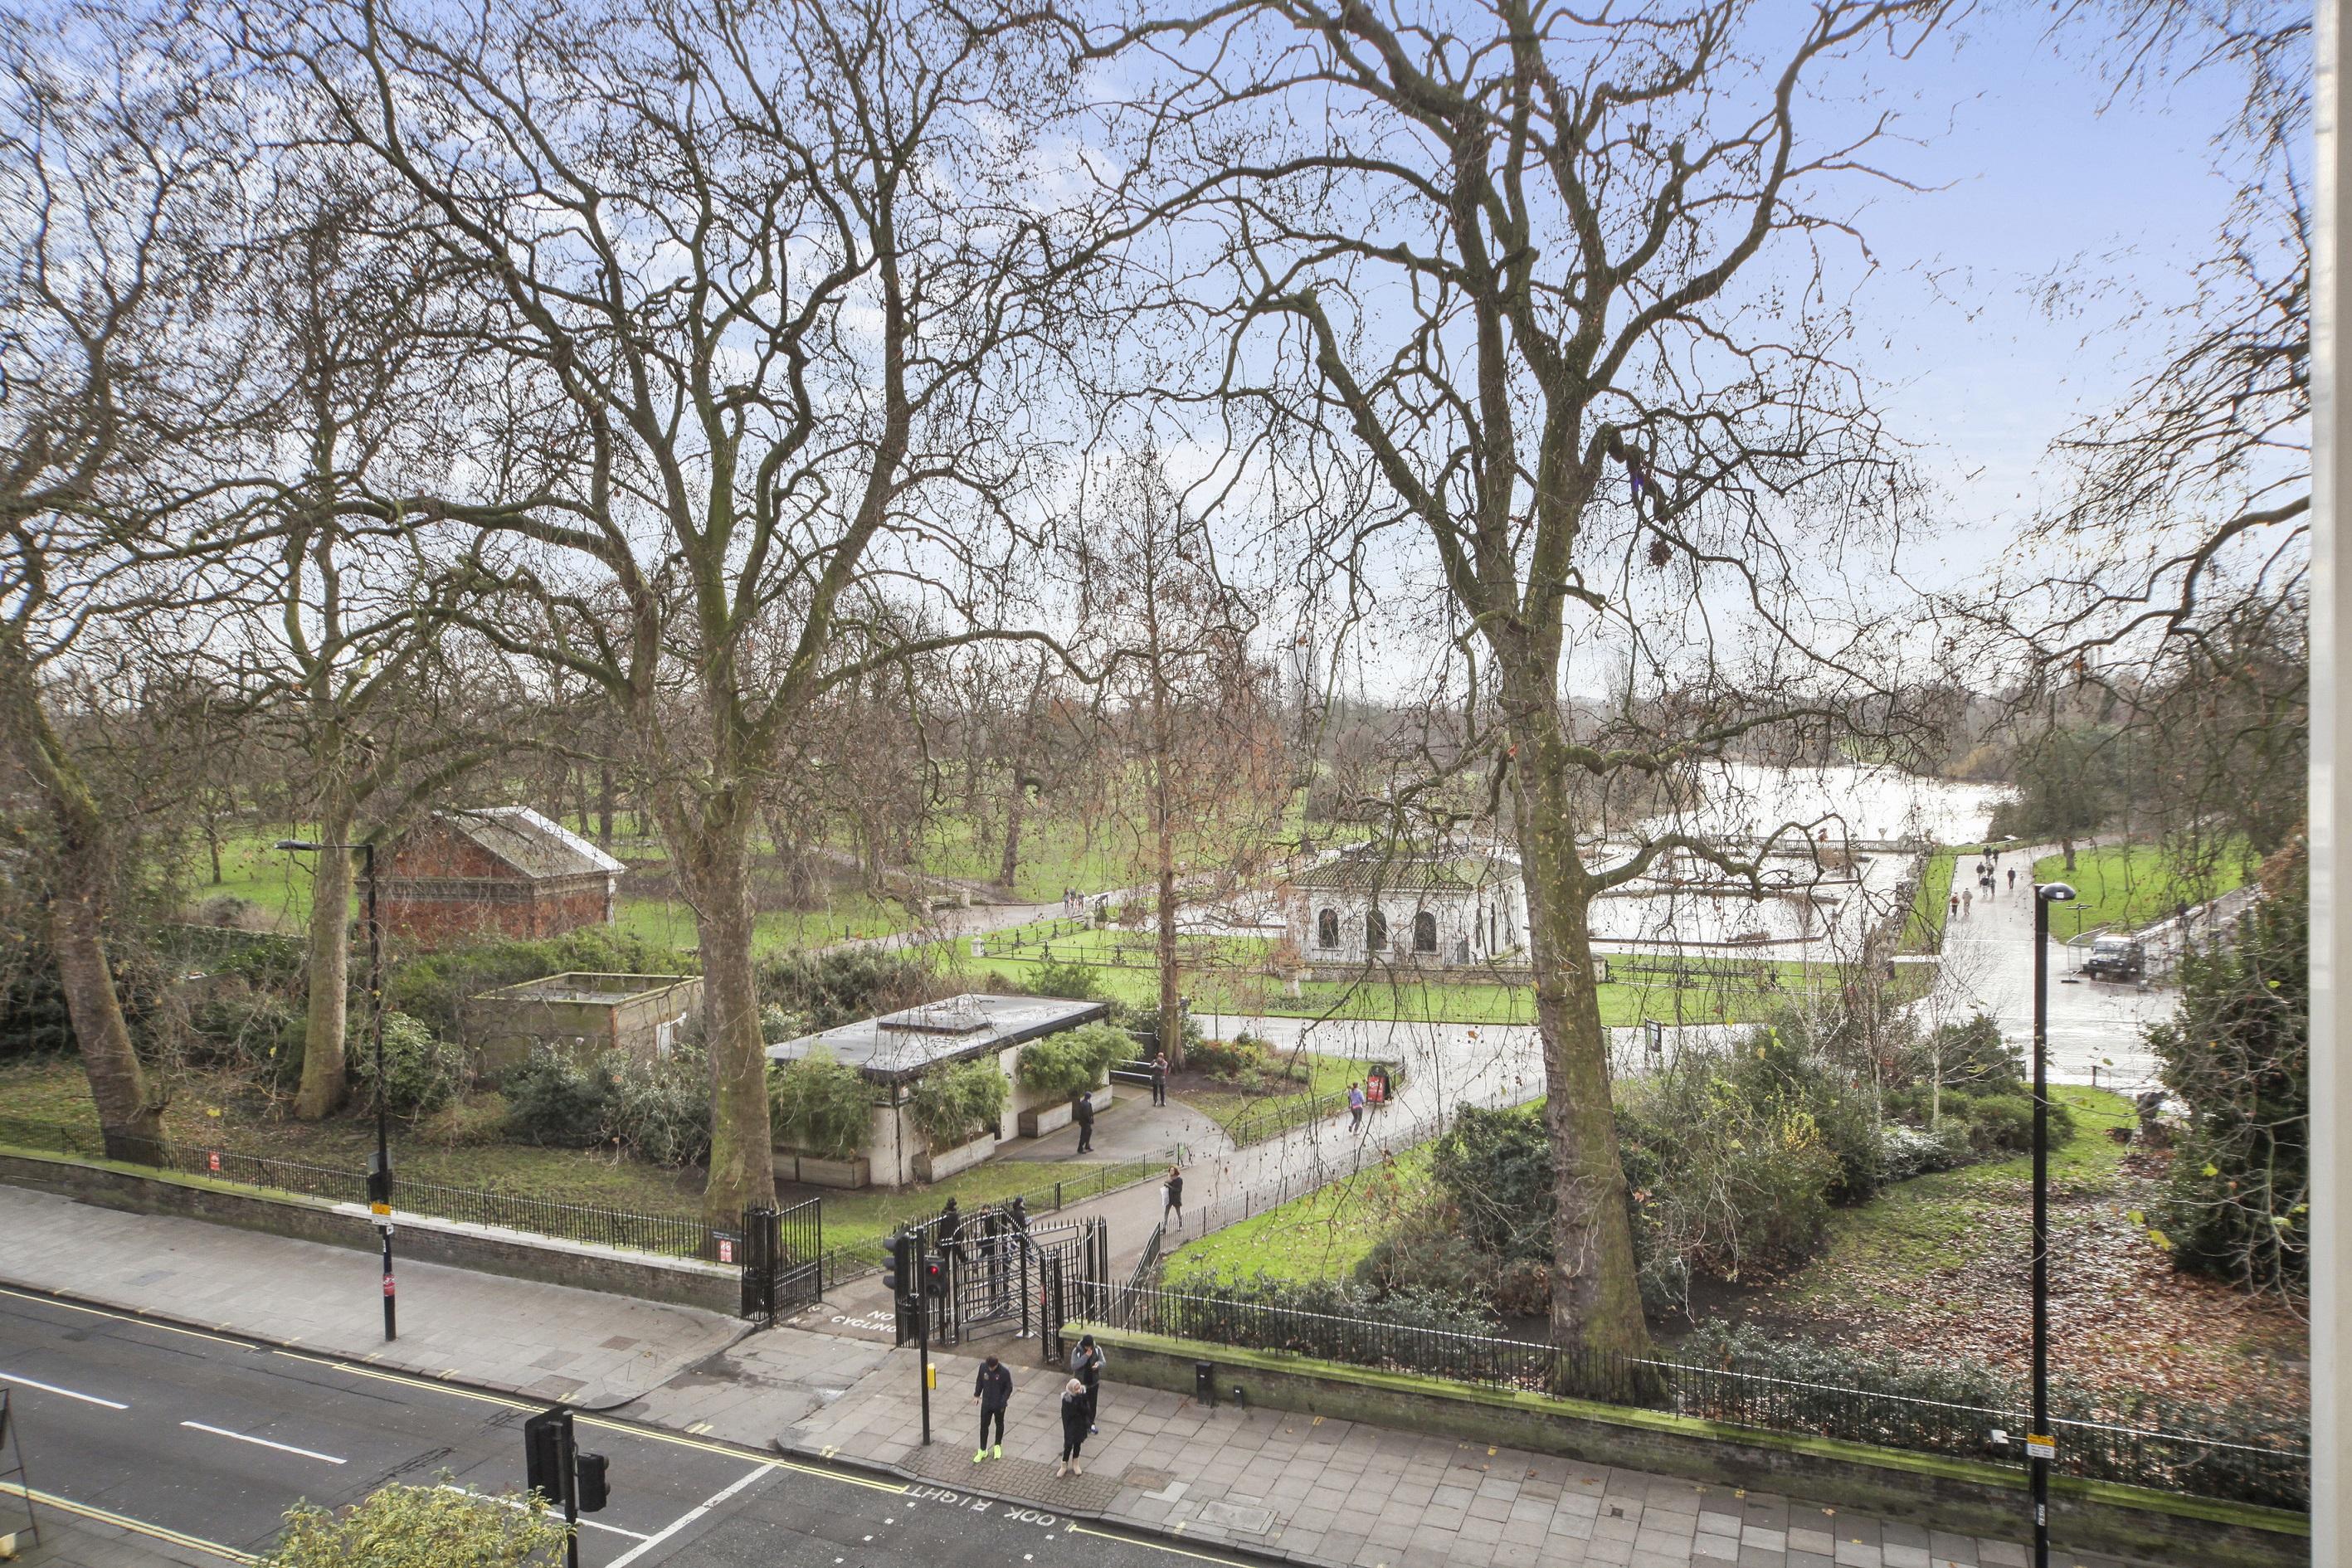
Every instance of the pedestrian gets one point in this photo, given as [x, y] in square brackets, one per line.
[1082, 1112]
[992, 1390]
[950, 1226]
[1074, 1428]
[1956, 906]
[2012, 879]
[1019, 1215]
[1174, 1188]
[1160, 1078]
[1967, 901]
[1086, 1366]
[1355, 1107]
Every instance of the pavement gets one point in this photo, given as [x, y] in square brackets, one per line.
[259, 1337]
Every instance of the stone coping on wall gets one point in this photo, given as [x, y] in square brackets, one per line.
[1968, 1496]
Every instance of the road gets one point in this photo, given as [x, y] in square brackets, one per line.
[201, 1442]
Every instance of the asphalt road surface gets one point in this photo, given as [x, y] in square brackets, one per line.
[202, 1442]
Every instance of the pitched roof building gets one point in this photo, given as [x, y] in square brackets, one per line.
[501, 870]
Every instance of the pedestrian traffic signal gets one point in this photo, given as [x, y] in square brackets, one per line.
[593, 1491]
[899, 1266]
[935, 1274]
[542, 1453]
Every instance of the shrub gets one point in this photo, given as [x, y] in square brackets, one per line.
[2237, 1053]
[1908, 1152]
[432, 986]
[820, 1106]
[659, 1109]
[1973, 1056]
[2003, 1123]
[422, 1074]
[779, 1024]
[1072, 980]
[829, 989]
[954, 1105]
[1197, 1313]
[1072, 1062]
[1723, 1180]
[1145, 1021]
[438, 1526]
[1494, 1169]
[554, 1099]
[238, 1031]
[1430, 1255]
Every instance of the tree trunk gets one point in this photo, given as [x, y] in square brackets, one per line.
[1010, 866]
[709, 845]
[327, 1023]
[1171, 1007]
[605, 808]
[2068, 845]
[1596, 1303]
[130, 1120]
[129, 1114]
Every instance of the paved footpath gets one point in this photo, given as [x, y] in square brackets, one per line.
[1281, 1486]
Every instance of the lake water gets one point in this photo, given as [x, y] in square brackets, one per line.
[1748, 800]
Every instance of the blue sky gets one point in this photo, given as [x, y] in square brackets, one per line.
[2042, 177]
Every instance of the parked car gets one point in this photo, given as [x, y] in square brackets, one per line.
[2116, 958]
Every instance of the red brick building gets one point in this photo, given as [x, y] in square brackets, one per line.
[501, 870]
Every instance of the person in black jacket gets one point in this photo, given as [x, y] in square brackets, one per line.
[1074, 1428]
[1086, 1366]
[1082, 1112]
[950, 1226]
[992, 1390]
[1173, 1188]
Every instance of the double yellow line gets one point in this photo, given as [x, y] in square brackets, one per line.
[123, 1521]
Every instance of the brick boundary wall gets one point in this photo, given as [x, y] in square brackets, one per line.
[1962, 1495]
[487, 1249]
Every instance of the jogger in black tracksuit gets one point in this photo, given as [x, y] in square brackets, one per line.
[992, 1390]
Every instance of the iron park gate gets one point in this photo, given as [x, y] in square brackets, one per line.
[784, 1259]
[1007, 1273]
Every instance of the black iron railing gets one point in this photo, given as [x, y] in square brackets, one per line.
[2176, 1449]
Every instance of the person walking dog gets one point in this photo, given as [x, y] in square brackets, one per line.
[1174, 1188]
[992, 1390]
[1086, 1366]
[1074, 1428]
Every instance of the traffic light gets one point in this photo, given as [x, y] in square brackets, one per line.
[593, 1491]
[935, 1274]
[542, 1453]
[898, 1267]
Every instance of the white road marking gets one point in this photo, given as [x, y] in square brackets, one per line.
[521, 1507]
[262, 1442]
[67, 1392]
[688, 1516]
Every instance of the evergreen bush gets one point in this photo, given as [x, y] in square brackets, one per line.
[821, 1107]
[421, 1073]
[954, 1105]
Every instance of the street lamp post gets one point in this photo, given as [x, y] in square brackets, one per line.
[2039, 1446]
[380, 1175]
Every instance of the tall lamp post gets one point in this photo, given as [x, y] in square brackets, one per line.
[380, 1172]
[2039, 1446]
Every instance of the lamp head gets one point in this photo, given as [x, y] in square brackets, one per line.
[2055, 893]
[295, 844]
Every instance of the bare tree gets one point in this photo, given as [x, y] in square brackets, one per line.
[1187, 705]
[1558, 277]
[115, 165]
[773, 289]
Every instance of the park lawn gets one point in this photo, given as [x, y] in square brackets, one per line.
[1325, 1076]
[1054, 855]
[2126, 887]
[666, 923]
[1321, 1236]
[1923, 931]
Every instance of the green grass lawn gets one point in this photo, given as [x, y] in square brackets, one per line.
[2130, 885]
[1321, 1236]
[670, 923]
[1226, 1107]
[1923, 931]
